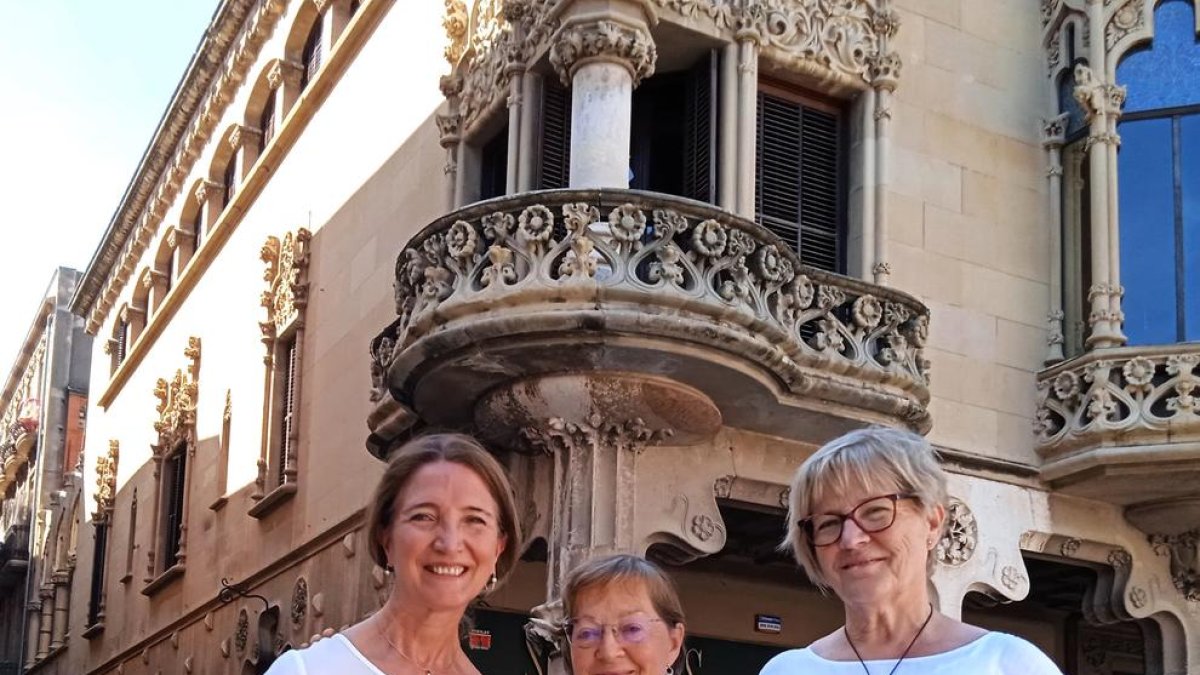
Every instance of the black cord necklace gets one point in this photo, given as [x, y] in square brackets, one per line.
[906, 649]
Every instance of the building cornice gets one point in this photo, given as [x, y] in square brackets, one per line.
[174, 148]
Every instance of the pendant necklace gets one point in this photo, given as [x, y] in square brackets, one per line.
[860, 658]
[406, 657]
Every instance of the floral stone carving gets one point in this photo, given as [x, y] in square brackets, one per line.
[958, 543]
[287, 281]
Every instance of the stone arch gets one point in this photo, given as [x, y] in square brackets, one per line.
[307, 16]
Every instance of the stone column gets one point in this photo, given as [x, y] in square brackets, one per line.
[527, 152]
[45, 621]
[518, 106]
[284, 79]
[62, 601]
[1053, 136]
[747, 119]
[885, 72]
[866, 114]
[33, 624]
[1105, 323]
[602, 61]
[1114, 100]
[450, 138]
[587, 431]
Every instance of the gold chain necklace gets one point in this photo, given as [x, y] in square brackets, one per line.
[860, 658]
[406, 657]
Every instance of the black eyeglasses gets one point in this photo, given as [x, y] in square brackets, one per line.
[875, 514]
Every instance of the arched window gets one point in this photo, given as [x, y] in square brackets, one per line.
[1159, 181]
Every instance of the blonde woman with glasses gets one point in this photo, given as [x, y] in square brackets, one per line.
[866, 512]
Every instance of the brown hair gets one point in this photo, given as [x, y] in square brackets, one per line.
[620, 568]
[443, 447]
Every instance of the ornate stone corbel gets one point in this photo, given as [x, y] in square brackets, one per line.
[206, 189]
[1184, 552]
[629, 46]
[243, 134]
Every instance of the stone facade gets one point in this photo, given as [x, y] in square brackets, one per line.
[652, 368]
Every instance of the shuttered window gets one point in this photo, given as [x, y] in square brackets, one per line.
[175, 474]
[311, 56]
[122, 340]
[798, 192]
[288, 410]
[99, 563]
[266, 122]
[672, 144]
[168, 275]
[554, 165]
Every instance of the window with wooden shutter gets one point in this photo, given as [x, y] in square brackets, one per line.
[554, 165]
[99, 563]
[311, 56]
[799, 184]
[672, 143]
[122, 345]
[168, 273]
[266, 122]
[288, 417]
[175, 473]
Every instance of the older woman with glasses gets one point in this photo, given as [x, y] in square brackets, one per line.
[866, 512]
[624, 616]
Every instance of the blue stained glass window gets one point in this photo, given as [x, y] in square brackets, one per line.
[1147, 231]
[1190, 159]
[1164, 75]
[1159, 169]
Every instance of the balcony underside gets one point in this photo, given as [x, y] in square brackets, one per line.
[618, 283]
[1121, 426]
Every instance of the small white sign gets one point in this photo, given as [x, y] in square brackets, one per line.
[765, 623]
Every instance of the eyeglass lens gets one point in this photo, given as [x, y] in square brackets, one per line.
[588, 634]
[871, 516]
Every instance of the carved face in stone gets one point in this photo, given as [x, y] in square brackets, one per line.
[887, 567]
[616, 631]
[445, 538]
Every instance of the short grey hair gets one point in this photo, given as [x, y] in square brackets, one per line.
[890, 460]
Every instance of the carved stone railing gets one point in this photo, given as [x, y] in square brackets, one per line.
[1126, 396]
[624, 265]
[1123, 426]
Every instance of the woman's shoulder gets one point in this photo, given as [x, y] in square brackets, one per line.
[1022, 655]
[786, 663]
[333, 652]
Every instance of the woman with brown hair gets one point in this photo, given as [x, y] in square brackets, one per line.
[443, 522]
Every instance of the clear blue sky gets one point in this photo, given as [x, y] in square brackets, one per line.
[83, 84]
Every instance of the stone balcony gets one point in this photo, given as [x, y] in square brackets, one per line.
[1123, 426]
[686, 315]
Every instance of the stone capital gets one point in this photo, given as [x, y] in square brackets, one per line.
[242, 134]
[1054, 131]
[884, 70]
[605, 40]
[205, 189]
[281, 72]
[449, 129]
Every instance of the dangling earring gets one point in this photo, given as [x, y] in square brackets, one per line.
[670, 670]
[491, 584]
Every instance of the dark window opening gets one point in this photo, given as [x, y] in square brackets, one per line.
[493, 166]
[231, 179]
[287, 420]
[799, 187]
[175, 473]
[311, 56]
[99, 562]
[122, 345]
[672, 140]
[266, 122]
[198, 228]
